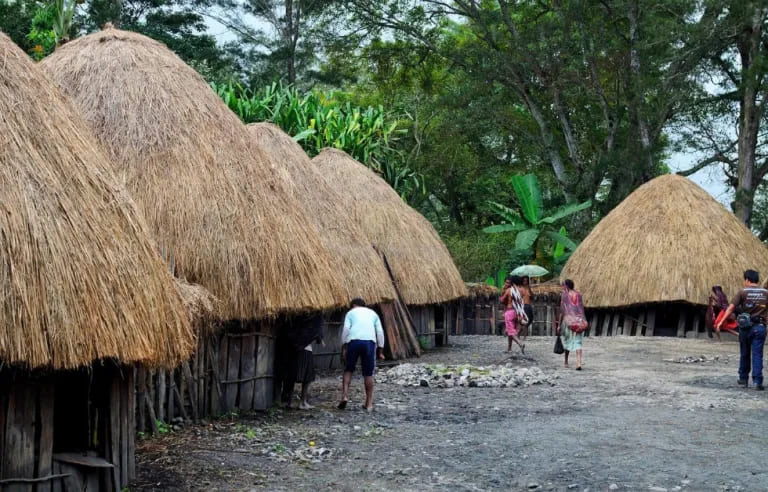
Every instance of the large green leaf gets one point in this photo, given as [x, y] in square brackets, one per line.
[529, 194]
[526, 238]
[566, 210]
[559, 238]
[513, 221]
[559, 250]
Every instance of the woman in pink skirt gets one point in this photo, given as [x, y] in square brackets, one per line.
[514, 312]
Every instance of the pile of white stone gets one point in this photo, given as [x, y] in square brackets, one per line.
[442, 376]
[701, 359]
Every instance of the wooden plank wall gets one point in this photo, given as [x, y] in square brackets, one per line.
[424, 323]
[478, 316]
[28, 406]
[230, 370]
[683, 321]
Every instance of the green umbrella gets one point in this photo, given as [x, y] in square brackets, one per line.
[529, 271]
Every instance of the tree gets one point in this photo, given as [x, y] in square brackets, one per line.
[601, 81]
[285, 39]
[535, 229]
[737, 63]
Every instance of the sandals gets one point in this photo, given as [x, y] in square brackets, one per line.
[342, 404]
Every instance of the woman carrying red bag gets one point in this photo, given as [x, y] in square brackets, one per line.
[571, 323]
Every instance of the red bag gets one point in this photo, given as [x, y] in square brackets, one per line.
[576, 324]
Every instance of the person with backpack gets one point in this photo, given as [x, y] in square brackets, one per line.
[751, 304]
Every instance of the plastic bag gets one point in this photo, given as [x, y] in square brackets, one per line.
[559, 349]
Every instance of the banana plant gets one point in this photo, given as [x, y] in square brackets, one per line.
[532, 224]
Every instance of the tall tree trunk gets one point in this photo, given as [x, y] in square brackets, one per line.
[750, 113]
[290, 44]
[636, 96]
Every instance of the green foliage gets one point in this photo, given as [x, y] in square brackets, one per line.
[532, 224]
[321, 119]
[478, 255]
[41, 34]
[163, 428]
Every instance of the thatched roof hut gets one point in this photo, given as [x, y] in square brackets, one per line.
[421, 264]
[668, 241]
[80, 279]
[218, 211]
[359, 268]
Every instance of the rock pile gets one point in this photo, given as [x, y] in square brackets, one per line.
[701, 359]
[442, 376]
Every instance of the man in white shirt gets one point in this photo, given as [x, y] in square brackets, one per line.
[361, 338]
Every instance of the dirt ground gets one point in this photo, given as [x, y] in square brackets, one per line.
[632, 419]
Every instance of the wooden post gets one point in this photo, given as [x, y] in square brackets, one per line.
[19, 453]
[223, 359]
[606, 323]
[615, 326]
[640, 323]
[263, 391]
[126, 435]
[593, 319]
[3, 407]
[233, 371]
[45, 460]
[548, 326]
[171, 395]
[160, 384]
[132, 423]
[215, 379]
[696, 324]
[681, 323]
[114, 432]
[247, 372]
[141, 388]
[201, 370]
[650, 322]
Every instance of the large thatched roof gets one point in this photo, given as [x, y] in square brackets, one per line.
[359, 267]
[219, 213]
[422, 267]
[667, 241]
[80, 279]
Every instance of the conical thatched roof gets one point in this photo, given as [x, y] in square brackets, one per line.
[219, 213]
[359, 267]
[80, 279]
[667, 241]
[421, 264]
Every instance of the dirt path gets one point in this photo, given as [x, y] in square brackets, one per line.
[630, 420]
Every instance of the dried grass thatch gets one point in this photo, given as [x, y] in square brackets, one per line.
[359, 267]
[217, 209]
[199, 302]
[667, 241]
[475, 290]
[79, 277]
[421, 264]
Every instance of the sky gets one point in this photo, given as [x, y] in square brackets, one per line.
[711, 178]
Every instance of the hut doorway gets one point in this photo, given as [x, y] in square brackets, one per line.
[69, 430]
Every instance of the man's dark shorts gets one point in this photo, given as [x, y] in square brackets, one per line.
[361, 349]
